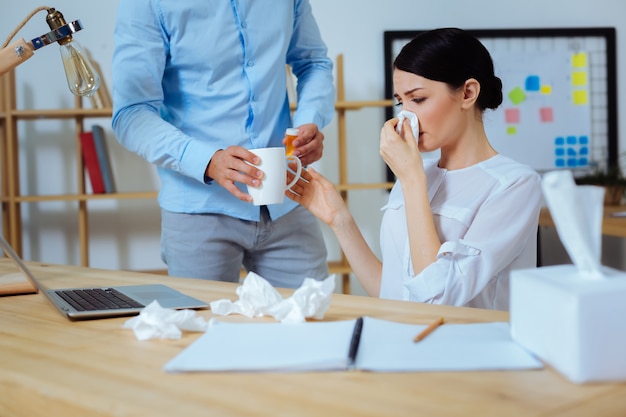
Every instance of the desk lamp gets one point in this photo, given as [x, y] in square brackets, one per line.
[82, 78]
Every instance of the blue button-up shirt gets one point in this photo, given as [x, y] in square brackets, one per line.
[191, 77]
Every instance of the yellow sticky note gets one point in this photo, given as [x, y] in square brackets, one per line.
[546, 89]
[511, 130]
[579, 78]
[580, 97]
[579, 60]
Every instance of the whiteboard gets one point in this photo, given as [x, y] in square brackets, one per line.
[559, 106]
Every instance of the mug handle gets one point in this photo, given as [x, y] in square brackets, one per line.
[297, 173]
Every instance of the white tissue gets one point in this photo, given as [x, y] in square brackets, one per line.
[577, 214]
[155, 321]
[258, 298]
[405, 114]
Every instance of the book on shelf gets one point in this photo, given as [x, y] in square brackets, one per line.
[366, 344]
[104, 161]
[90, 159]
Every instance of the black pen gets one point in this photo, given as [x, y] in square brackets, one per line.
[354, 343]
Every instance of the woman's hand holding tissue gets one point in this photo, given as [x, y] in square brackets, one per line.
[401, 154]
[408, 119]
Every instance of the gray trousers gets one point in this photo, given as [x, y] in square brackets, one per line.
[215, 247]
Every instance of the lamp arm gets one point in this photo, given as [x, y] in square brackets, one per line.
[14, 54]
[82, 79]
[19, 51]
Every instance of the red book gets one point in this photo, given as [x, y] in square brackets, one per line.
[90, 159]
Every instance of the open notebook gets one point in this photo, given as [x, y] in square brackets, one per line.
[93, 302]
[381, 346]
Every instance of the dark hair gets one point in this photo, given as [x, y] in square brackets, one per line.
[452, 56]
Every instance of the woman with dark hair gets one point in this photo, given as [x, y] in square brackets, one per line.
[454, 226]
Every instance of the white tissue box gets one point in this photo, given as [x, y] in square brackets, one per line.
[575, 324]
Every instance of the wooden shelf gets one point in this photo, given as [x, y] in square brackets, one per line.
[339, 267]
[11, 199]
[81, 197]
[611, 225]
[364, 186]
[358, 105]
[56, 113]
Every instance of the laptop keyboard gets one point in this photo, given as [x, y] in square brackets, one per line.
[92, 299]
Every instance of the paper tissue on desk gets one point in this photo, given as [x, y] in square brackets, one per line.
[573, 316]
[258, 298]
[156, 322]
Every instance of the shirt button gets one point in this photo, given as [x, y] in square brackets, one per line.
[255, 98]
[250, 63]
[244, 25]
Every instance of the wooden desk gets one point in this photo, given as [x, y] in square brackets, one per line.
[50, 366]
[611, 226]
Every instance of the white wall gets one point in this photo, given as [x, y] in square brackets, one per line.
[125, 234]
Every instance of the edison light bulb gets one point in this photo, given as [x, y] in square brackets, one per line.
[82, 79]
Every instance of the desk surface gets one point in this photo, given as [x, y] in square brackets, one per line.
[611, 226]
[50, 366]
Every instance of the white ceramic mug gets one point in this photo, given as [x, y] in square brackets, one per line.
[274, 182]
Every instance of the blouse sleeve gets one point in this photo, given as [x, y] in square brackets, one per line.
[498, 234]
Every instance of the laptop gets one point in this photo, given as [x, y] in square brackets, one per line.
[95, 302]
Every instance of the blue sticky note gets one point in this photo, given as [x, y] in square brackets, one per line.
[559, 162]
[532, 83]
[571, 140]
[559, 140]
[583, 140]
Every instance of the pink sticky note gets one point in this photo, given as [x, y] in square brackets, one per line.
[546, 114]
[511, 115]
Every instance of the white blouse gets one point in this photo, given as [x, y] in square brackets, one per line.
[486, 217]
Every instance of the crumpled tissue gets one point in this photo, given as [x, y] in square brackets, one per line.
[155, 321]
[572, 316]
[405, 114]
[258, 298]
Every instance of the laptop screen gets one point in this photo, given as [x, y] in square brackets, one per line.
[15, 278]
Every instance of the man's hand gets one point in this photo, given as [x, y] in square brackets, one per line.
[309, 145]
[229, 166]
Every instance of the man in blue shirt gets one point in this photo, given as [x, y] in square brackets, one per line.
[195, 85]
